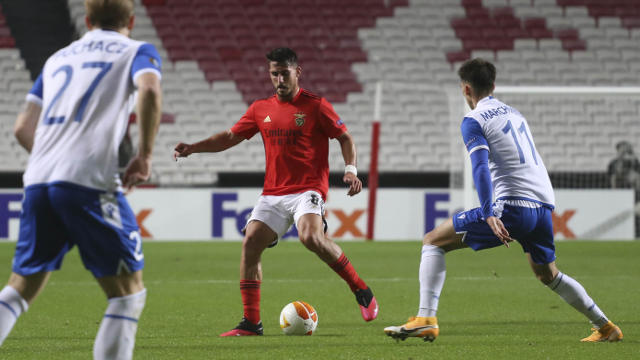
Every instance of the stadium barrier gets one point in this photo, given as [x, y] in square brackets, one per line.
[401, 214]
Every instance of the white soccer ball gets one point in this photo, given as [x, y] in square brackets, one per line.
[298, 318]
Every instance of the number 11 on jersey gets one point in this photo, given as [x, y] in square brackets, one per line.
[523, 129]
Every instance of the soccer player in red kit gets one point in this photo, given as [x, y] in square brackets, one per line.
[295, 126]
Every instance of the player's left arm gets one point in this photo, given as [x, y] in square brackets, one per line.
[334, 127]
[478, 148]
[350, 177]
[484, 187]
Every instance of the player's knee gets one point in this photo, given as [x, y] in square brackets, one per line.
[252, 243]
[545, 278]
[28, 286]
[430, 238]
[311, 241]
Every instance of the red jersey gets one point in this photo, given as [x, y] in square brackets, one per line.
[296, 141]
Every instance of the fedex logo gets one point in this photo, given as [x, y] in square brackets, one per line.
[240, 217]
[6, 213]
[431, 212]
[561, 223]
[222, 206]
[432, 203]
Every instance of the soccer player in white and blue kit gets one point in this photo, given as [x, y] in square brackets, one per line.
[506, 167]
[75, 118]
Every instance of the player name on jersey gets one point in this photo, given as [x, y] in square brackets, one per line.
[501, 110]
[110, 47]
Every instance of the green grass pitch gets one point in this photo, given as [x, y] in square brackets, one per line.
[491, 306]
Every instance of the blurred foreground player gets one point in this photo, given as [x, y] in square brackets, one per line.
[505, 161]
[295, 126]
[75, 118]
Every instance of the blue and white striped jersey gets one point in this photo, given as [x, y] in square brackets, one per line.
[87, 92]
[517, 171]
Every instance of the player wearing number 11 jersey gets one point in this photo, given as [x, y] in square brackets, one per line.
[507, 168]
[75, 118]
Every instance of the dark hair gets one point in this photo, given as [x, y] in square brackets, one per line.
[625, 146]
[283, 55]
[480, 74]
[109, 14]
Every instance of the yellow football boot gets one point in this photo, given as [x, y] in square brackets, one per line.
[608, 332]
[421, 327]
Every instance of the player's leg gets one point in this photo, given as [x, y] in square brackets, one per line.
[540, 250]
[575, 295]
[268, 222]
[432, 272]
[258, 236]
[466, 229]
[40, 249]
[126, 296]
[30, 286]
[435, 244]
[312, 235]
[104, 228]
[308, 217]
[16, 297]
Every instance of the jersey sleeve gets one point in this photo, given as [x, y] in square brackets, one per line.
[146, 60]
[35, 94]
[478, 149]
[482, 180]
[472, 135]
[246, 126]
[330, 122]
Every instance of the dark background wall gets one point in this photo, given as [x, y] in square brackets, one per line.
[40, 27]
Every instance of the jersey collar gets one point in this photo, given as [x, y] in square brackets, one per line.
[96, 32]
[485, 99]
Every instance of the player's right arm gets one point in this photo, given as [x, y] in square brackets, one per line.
[145, 73]
[25, 127]
[244, 129]
[216, 143]
[26, 123]
[149, 111]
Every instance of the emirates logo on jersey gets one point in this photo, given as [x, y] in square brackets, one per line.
[299, 118]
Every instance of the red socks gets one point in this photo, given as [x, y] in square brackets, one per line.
[346, 271]
[250, 290]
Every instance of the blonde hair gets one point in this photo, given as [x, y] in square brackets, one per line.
[109, 14]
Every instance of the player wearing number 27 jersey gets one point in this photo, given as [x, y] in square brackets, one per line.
[506, 167]
[70, 144]
[74, 120]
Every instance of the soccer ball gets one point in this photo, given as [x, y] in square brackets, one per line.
[298, 318]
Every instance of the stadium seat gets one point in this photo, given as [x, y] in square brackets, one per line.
[419, 44]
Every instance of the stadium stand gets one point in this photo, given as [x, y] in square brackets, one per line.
[213, 53]
[14, 82]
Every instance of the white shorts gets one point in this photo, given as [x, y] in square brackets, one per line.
[280, 211]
